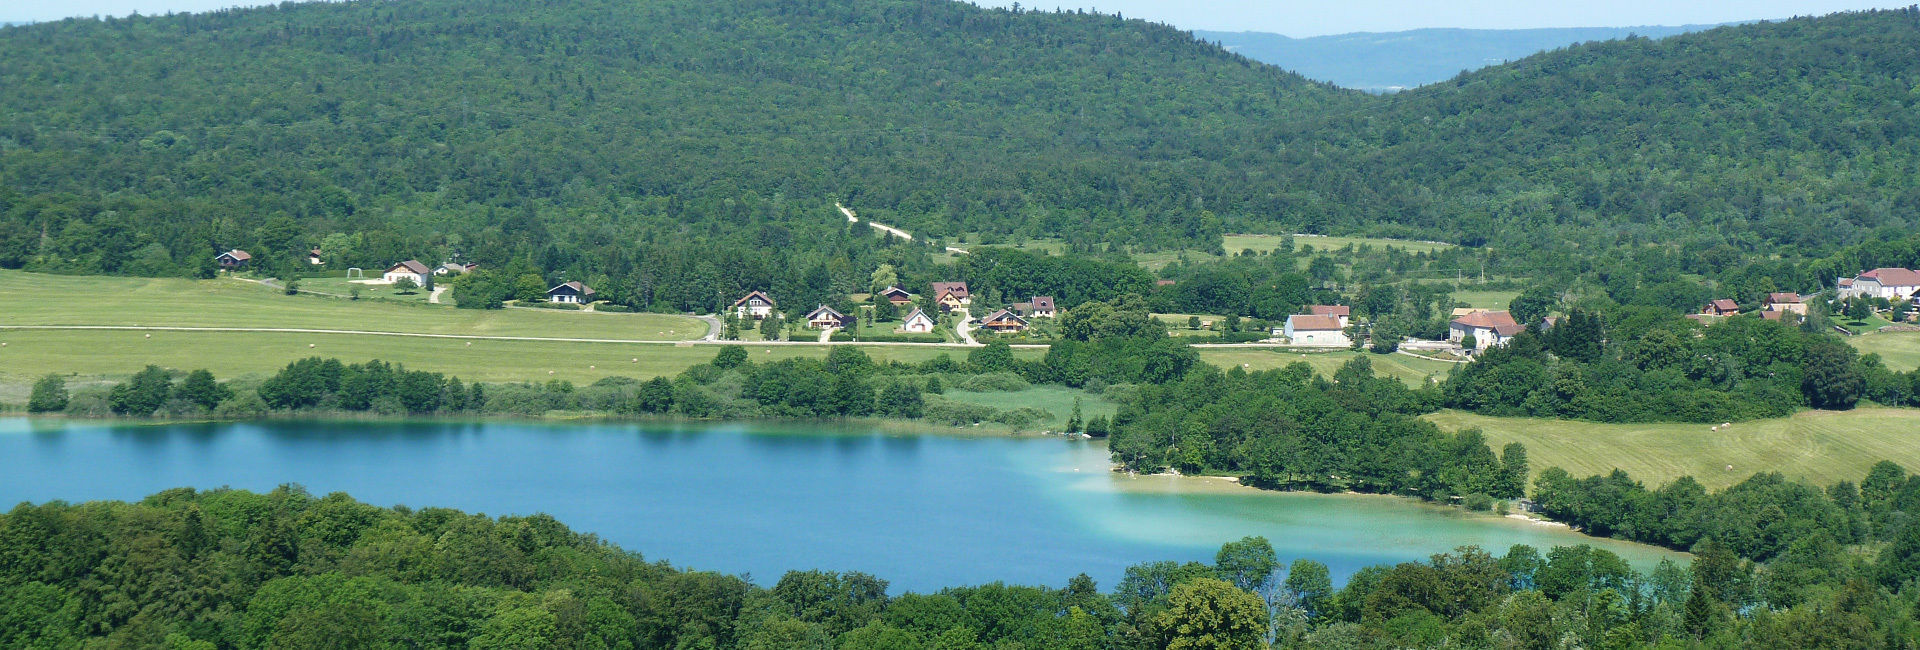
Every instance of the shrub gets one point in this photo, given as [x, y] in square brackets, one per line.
[612, 308]
[49, 395]
[993, 382]
[243, 404]
[1478, 502]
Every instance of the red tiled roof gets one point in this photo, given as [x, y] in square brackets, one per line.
[1725, 304]
[1043, 303]
[1783, 298]
[751, 294]
[1889, 276]
[1330, 310]
[239, 255]
[1313, 323]
[1492, 320]
[1771, 315]
[941, 289]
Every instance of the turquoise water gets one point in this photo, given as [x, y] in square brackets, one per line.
[922, 511]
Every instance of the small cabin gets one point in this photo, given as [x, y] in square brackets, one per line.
[233, 259]
[571, 292]
[1721, 307]
[898, 296]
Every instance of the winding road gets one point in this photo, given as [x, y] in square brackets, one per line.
[881, 226]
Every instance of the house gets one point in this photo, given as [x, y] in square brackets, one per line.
[917, 322]
[1785, 302]
[313, 257]
[408, 270]
[898, 296]
[1463, 311]
[233, 259]
[1548, 322]
[1772, 315]
[1721, 307]
[1004, 321]
[1342, 312]
[755, 305]
[1316, 330]
[1886, 282]
[1163, 283]
[951, 295]
[823, 317]
[454, 268]
[1038, 307]
[571, 292]
[1488, 328]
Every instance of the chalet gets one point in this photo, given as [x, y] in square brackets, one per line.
[1038, 307]
[951, 295]
[917, 322]
[408, 270]
[898, 296]
[823, 317]
[1721, 307]
[1316, 330]
[1786, 302]
[454, 268]
[1004, 321]
[571, 292]
[756, 305]
[233, 259]
[313, 257]
[1342, 312]
[1488, 328]
[1887, 282]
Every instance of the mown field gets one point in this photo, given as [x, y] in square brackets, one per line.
[1409, 369]
[1057, 400]
[226, 302]
[1900, 350]
[1819, 447]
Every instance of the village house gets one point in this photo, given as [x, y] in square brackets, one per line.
[951, 295]
[1786, 302]
[1488, 329]
[313, 257]
[455, 268]
[233, 259]
[917, 322]
[1316, 330]
[898, 296]
[571, 292]
[408, 270]
[1038, 307]
[823, 317]
[1004, 321]
[1887, 282]
[1721, 307]
[1342, 312]
[756, 305]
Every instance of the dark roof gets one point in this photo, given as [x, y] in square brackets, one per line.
[1783, 298]
[895, 291]
[412, 265]
[1002, 315]
[829, 311]
[958, 289]
[751, 294]
[1725, 304]
[576, 287]
[1330, 310]
[237, 254]
[916, 312]
[1043, 303]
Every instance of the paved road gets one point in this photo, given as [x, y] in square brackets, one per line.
[966, 333]
[435, 296]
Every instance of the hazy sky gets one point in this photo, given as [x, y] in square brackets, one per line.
[1290, 17]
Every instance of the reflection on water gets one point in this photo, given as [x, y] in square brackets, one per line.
[920, 511]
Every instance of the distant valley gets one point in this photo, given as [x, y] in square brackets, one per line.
[1393, 61]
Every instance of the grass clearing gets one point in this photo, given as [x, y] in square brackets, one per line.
[340, 285]
[1486, 299]
[93, 355]
[1405, 368]
[1900, 350]
[227, 302]
[1057, 400]
[1818, 447]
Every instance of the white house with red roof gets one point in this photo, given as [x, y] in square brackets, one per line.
[1342, 312]
[1488, 328]
[1892, 283]
[1316, 330]
[420, 274]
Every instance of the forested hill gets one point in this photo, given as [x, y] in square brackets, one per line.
[684, 139]
[1803, 132]
[424, 116]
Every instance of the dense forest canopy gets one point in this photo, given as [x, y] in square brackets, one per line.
[631, 142]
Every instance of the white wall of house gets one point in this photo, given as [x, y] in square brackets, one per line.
[921, 325]
[395, 276]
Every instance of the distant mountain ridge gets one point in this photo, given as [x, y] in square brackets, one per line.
[1391, 61]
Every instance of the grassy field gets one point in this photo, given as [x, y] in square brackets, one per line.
[98, 300]
[340, 285]
[1057, 400]
[1486, 299]
[1819, 447]
[1408, 369]
[96, 355]
[1263, 243]
[1900, 350]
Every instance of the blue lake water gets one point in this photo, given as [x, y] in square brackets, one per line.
[922, 511]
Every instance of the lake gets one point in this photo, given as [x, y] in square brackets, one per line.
[921, 511]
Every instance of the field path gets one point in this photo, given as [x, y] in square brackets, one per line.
[435, 296]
